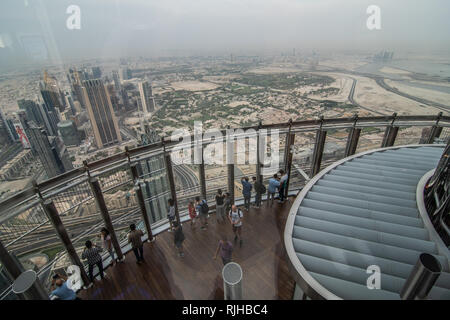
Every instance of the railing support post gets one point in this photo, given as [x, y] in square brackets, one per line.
[14, 269]
[170, 177]
[98, 195]
[140, 196]
[230, 162]
[390, 133]
[318, 149]
[352, 139]
[291, 141]
[435, 130]
[52, 214]
[287, 146]
[259, 176]
[201, 174]
[389, 136]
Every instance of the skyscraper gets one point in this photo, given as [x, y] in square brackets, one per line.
[116, 79]
[145, 92]
[101, 113]
[51, 150]
[32, 111]
[69, 133]
[75, 79]
[113, 97]
[6, 135]
[96, 73]
[51, 93]
[126, 73]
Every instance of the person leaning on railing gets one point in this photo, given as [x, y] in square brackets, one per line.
[274, 184]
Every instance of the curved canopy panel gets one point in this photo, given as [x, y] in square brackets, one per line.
[360, 213]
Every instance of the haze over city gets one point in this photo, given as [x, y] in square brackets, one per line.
[178, 27]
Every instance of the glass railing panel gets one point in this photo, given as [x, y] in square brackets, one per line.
[275, 159]
[303, 149]
[82, 220]
[216, 176]
[334, 148]
[30, 237]
[444, 136]
[370, 138]
[156, 188]
[187, 182]
[216, 170]
[409, 135]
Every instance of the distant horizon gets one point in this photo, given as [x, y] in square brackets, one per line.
[36, 31]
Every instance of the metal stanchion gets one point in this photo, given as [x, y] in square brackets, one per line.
[232, 281]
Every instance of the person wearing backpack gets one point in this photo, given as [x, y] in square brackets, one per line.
[235, 217]
[226, 249]
[202, 209]
[260, 190]
[178, 237]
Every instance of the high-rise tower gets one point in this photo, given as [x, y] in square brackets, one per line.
[75, 79]
[101, 113]
[51, 150]
[146, 95]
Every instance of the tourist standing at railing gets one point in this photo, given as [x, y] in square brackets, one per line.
[246, 192]
[202, 209]
[226, 249]
[107, 243]
[171, 214]
[274, 184]
[178, 238]
[192, 213]
[235, 217]
[260, 189]
[135, 238]
[283, 183]
[220, 206]
[92, 253]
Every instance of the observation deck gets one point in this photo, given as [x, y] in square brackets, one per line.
[345, 216]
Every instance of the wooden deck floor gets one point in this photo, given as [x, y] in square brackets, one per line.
[165, 275]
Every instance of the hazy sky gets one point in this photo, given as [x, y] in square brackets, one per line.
[164, 27]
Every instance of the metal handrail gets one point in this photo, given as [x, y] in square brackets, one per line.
[142, 152]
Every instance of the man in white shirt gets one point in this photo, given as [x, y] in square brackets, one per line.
[235, 215]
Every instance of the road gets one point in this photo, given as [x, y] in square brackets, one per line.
[380, 81]
[352, 100]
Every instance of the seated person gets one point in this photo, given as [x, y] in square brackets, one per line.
[59, 288]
